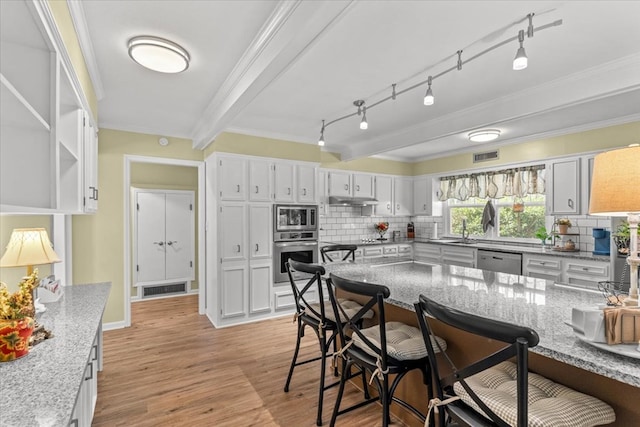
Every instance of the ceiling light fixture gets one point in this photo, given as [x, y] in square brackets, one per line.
[484, 135]
[428, 98]
[321, 140]
[158, 54]
[363, 124]
[521, 60]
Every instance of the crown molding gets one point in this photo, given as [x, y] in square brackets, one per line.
[86, 45]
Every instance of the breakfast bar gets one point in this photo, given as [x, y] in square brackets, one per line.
[536, 303]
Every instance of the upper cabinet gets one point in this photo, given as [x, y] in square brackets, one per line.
[363, 185]
[43, 121]
[425, 201]
[232, 178]
[384, 195]
[306, 179]
[565, 188]
[347, 184]
[259, 181]
[91, 192]
[403, 196]
[339, 184]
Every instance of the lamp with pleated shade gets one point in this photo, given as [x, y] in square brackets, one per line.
[28, 247]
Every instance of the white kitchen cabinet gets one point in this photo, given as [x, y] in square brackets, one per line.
[372, 252]
[260, 275]
[427, 252]
[542, 267]
[91, 191]
[363, 185]
[260, 235]
[462, 256]
[340, 184]
[259, 181]
[164, 236]
[231, 235]
[390, 251]
[405, 250]
[403, 196]
[585, 273]
[565, 188]
[232, 178]
[306, 183]
[424, 198]
[233, 282]
[323, 196]
[41, 125]
[384, 195]
[84, 409]
[283, 182]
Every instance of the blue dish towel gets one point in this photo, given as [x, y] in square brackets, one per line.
[488, 216]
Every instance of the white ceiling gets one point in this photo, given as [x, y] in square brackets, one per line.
[278, 68]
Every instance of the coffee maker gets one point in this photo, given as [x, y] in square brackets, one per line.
[602, 244]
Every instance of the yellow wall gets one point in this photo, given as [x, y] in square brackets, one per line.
[61, 14]
[168, 177]
[12, 276]
[98, 239]
[583, 142]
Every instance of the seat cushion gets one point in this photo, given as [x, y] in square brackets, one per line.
[404, 342]
[550, 404]
[349, 306]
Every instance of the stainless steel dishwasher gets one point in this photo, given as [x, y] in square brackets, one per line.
[502, 262]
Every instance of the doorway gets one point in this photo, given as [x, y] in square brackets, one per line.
[130, 161]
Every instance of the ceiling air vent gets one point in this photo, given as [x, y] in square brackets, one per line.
[483, 157]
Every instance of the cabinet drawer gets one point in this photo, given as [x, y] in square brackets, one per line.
[594, 271]
[373, 252]
[404, 249]
[542, 263]
[427, 250]
[554, 277]
[390, 250]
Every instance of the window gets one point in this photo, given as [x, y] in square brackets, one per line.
[508, 223]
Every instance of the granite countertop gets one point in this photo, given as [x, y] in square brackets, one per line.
[494, 246]
[40, 389]
[526, 301]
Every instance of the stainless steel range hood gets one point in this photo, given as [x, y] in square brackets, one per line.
[352, 201]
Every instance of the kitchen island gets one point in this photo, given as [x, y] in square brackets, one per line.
[526, 301]
[47, 386]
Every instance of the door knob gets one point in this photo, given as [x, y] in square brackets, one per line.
[171, 242]
[159, 243]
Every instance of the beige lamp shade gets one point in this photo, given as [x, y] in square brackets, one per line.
[28, 247]
[615, 183]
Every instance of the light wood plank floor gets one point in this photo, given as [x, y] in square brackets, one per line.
[173, 368]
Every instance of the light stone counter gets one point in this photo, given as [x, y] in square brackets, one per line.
[526, 301]
[40, 389]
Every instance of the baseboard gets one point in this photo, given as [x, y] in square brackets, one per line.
[114, 325]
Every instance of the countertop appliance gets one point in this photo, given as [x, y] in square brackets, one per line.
[502, 262]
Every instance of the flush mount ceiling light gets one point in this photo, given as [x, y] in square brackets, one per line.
[519, 63]
[484, 135]
[158, 54]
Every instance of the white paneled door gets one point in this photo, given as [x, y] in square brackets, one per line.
[164, 235]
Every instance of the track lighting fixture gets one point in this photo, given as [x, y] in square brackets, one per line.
[521, 60]
[363, 124]
[321, 140]
[428, 97]
[519, 63]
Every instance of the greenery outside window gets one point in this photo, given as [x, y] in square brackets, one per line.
[509, 223]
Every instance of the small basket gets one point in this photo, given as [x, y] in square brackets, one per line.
[613, 292]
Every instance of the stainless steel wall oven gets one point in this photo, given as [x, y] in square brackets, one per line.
[295, 237]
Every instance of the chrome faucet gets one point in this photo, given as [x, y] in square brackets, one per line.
[465, 233]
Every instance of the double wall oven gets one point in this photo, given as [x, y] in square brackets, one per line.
[295, 236]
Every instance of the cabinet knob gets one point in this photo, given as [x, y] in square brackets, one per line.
[257, 190]
[238, 188]
[238, 248]
[304, 191]
[570, 203]
[388, 206]
[257, 247]
[398, 206]
[357, 188]
[288, 191]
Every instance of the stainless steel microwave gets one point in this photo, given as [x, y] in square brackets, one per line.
[295, 218]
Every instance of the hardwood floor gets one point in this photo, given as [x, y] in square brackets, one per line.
[173, 368]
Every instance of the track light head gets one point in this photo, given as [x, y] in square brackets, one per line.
[520, 62]
[363, 124]
[321, 140]
[428, 97]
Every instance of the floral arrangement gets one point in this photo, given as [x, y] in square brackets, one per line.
[381, 227]
[19, 304]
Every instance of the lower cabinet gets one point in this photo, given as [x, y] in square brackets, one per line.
[542, 267]
[454, 255]
[572, 271]
[427, 252]
[245, 291]
[260, 275]
[88, 394]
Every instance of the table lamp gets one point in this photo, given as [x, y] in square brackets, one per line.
[615, 191]
[28, 247]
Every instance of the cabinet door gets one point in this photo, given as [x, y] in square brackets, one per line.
[464, 257]
[323, 197]
[565, 187]
[421, 199]
[232, 175]
[384, 192]
[233, 283]
[306, 184]
[179, 225]
[403, 196]
[90, 166]
[283, 182]
[259, 181]
[260, 288]
[339, 184]
[259, 231]
[362, 185]
[232, 228]
[150, 239]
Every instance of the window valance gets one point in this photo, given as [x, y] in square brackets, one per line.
[517, 182]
